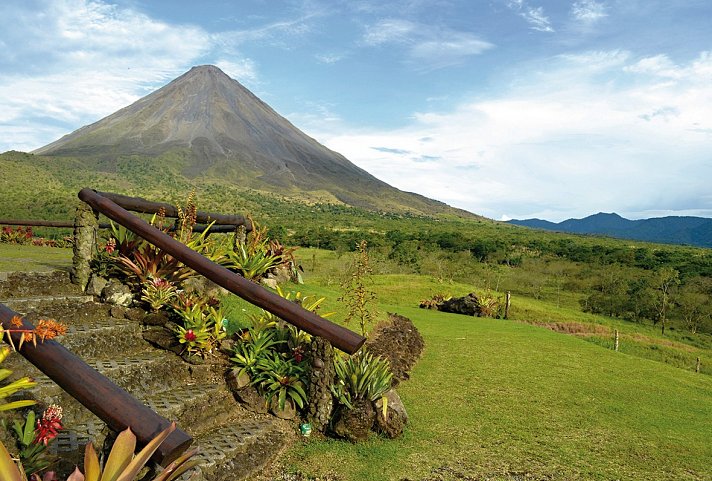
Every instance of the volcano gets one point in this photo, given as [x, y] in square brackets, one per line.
[215, 127]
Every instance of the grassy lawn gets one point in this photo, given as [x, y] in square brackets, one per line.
[495, 399]
[33, 258]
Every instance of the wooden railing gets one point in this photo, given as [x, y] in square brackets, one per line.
[109, 402]
[340, 337]
[117, 408]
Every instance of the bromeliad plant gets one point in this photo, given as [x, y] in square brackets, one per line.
[34, 437]
[361, 377]
[281, 377]
[204, 324]
[121, 464]
[158, 293]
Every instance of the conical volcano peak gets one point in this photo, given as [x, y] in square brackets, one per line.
[216, 127]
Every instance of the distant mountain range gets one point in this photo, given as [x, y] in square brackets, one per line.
[696, 231]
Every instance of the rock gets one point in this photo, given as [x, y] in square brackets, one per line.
[135, 314]
[400, 343]
[117, 312]
[237, 381]
[117, 293]
[156, 318]
[355, 424]
[269, 282]
[163, 338]
[96, 285]
[252, 400]
[204, 287]
[396, 416]
[288, 412]
[468, 305]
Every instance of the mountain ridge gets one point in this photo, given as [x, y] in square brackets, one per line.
[216, 128]
[689, 230]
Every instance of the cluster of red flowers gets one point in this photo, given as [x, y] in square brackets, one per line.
[110, 246]
[49, 425]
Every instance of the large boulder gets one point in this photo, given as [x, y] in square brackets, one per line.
[468, 305]
[396, 417]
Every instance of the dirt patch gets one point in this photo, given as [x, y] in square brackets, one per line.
[400, 342]
[579, 329]
[662, 342]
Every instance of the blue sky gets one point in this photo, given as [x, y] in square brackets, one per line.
[506, 108]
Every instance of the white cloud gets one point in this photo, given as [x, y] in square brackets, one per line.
[588, 11]
[567, 143]
[427, 47]
[86, 59]
[243, 70]
[328, 58]
[534, 16]
[389, 31]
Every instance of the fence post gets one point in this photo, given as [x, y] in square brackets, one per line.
[86, 225]
[615, 340]
[698, 365]
[507, 303]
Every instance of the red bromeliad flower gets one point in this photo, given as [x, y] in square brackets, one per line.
[49, 425]
[110, 245]
[190, 335]
[298, 354]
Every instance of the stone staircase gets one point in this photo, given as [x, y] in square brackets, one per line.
[234, 443]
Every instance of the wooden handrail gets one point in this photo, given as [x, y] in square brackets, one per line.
[117, 408]
[291, 312]
[138, 204]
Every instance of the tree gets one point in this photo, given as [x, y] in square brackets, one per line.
[665, 282]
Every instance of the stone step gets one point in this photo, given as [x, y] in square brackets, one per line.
[26, 284]
[143, 375]
[240, 450]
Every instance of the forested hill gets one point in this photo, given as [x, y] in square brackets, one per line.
[695, 231]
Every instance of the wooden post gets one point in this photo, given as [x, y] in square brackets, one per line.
[698, 365]
[615, 340]
[507, 303]
[86, 225]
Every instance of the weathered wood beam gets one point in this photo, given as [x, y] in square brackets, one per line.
[138, 204]
[117, 408]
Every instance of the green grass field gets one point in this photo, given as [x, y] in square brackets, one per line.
[496, 399]
[509, 399]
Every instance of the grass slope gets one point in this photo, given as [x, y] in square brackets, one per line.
[494, 399]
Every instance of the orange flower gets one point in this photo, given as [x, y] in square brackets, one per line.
[49, 329]
[16, 321]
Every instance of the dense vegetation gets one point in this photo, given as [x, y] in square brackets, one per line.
[665, 285]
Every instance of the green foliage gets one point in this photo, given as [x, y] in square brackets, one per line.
[284, 378]
[361, 376]
[204, 324]
[158, 293]
[357, 296]
[9, 389]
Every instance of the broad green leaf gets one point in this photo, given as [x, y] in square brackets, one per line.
[120, 456]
